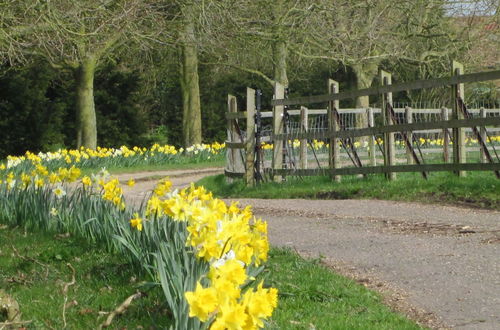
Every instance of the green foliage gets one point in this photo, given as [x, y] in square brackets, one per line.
[32, 115]
[158, 135]
[37, 109]
[120, 120]
[164, 103]
[160, 249]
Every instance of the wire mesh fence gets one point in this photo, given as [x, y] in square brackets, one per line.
[426, 144]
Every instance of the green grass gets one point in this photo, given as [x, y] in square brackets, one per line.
[313, 297]
[478, 189]
[156, 167]
[35, 276]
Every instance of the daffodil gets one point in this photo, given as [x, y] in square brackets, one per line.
[86, 181]
[59, 192]
[136, 222]
[39, 182]
[202, 302]
[153, 207]
[26, 179]
[260, 304]
[231, 316]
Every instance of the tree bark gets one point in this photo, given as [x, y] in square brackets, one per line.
[365, 73]
[85, 108]
[279, 59]
[191, 109]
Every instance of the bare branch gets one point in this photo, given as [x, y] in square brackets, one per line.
[244, 69]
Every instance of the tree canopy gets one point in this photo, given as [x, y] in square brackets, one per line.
[104, 71]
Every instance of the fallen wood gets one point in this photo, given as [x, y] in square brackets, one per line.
[4, 325]
[65, 291]
[120, 309]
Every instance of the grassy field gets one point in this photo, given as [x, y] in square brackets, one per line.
[35, 270]
[478, 189]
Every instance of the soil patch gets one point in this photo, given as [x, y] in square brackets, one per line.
[469, 202]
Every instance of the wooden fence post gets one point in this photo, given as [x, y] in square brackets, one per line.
[482, 131]
[459, 151]
[232, 154]
[250, 142]
[371, 138]
[386, 79]
[279, 93]
[304, 116]
[333, 126]
[446, 137]
[409, 134]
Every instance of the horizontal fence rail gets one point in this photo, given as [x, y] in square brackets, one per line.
[295, 112]
[236, 115]
[233, 175]
[389, 169]
[454, 123]
[235, 145]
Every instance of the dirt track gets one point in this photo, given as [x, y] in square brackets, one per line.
[438, 264]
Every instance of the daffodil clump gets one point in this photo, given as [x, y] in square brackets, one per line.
[62, 200]
[469, 141]
[61, 180]
[205, 254]
[38, 177]
[123, 156]
[233, 242]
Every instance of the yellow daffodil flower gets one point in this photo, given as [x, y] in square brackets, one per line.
[202, 302]
[136, 222]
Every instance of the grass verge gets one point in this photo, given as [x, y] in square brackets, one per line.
[478, 189]
[157, 167]
[34, 272]
[313, 297]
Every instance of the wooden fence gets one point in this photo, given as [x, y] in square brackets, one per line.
[242, 147]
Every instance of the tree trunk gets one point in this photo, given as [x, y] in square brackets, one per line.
[279, 59]
[85, 108]
[365, 73]
[191, 114]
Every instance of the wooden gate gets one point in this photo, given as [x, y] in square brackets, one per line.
[398, 128]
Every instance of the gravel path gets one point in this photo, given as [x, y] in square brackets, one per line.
[444, 260]
[438, 264]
